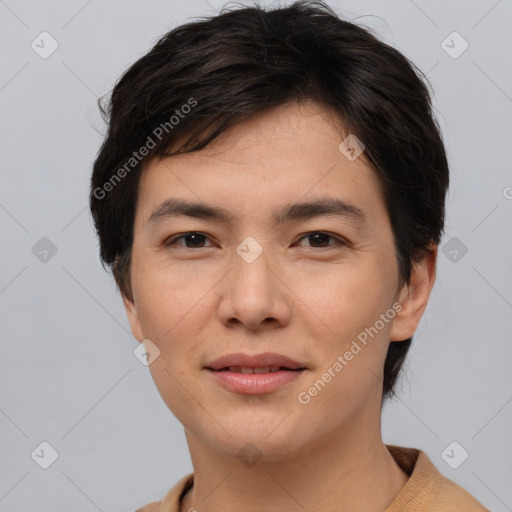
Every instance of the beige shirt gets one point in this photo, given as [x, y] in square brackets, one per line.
[427, 490]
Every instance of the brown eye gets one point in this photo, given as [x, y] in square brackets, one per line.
[320, 239]
[193, 240]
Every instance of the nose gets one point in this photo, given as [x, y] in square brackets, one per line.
[254, 294]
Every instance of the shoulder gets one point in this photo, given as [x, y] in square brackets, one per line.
[449, 496]
[427, 488]
[171, 501]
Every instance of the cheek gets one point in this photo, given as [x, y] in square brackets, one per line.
[346, 300]
[347, 320]
[170, 300]
[176, 389]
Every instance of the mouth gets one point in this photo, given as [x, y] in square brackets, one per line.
[246, 370]
[257, 363]
[254, 375]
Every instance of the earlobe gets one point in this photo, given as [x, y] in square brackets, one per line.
[414, 296]
[133, 318]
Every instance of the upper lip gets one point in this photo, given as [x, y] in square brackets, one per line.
[254, 361]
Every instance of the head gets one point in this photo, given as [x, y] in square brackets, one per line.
[246, 114]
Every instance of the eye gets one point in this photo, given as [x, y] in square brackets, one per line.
[321, 238]
[195, 238]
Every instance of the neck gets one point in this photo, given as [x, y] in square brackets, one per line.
[353, 470]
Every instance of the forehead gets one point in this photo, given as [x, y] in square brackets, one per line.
[276, 157]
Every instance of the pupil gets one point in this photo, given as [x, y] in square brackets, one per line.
[320, 235]
[195, 236]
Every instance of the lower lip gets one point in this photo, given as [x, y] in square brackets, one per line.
[255, 383]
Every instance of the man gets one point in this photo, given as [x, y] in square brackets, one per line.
[270, 198]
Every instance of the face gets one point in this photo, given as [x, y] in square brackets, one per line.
[318, 285]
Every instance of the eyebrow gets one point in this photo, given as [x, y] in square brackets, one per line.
[297, 211]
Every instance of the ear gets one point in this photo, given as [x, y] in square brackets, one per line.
[133, 318]
[414, 296]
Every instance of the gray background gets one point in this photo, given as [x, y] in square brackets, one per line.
[68, 373]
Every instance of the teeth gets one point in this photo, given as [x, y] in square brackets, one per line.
[264, 369]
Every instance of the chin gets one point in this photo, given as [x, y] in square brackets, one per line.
[264, 436]
[258, 448]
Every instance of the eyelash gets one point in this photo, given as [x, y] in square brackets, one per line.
[171, 241]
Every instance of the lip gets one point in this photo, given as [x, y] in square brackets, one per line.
[254, 383]
[254, 361]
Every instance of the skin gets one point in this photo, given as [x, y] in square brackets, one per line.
[302, 297]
